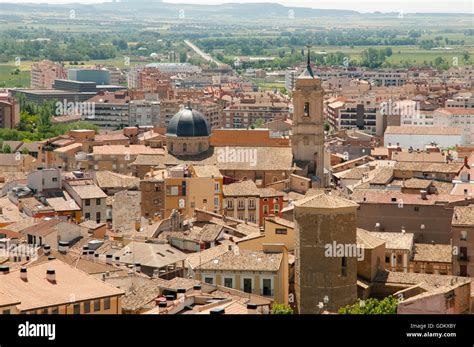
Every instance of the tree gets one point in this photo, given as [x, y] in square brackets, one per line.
[25, 151]
[327, 127]
[281, 309]
[372, 306]
[6, 148]
[258, 123]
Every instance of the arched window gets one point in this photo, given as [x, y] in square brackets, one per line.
[306, 109]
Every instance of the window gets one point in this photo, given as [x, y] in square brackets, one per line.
[107, 304]
[172, 190]
[267, 287]
[88, 202]
[230, 203]
[217, 187]
[77, 308]
[241, 204]
[306, 109]
[55, 310]
[387, 259]
[54, 179]
[87, 307]
[209, 280]
[265, 209]
[6, 312]
[97, 217]
[399, 259]
[343, 266]
[44, 311]
[417, 209]
[185, 147]
[276, 208]
[281, 231]
[97, 202]
[228, 282]
[96, 305]
[87, 215]
[247, 285]
[463, 235]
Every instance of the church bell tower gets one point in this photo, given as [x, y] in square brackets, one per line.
[307, 138]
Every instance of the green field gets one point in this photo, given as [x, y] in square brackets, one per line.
[10, 79]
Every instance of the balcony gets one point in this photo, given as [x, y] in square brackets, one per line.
[266, 292]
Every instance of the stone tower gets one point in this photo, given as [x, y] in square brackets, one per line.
[307, 138]
[324, 278]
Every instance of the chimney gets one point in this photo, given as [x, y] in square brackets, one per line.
[218, 311]
[91, 254]
[108, 259]
[181, 293]
[96, 257]
[423, 194]
[23, 274]
[51, 257]
[117, 260]
[63, 247]
[170, 297]
[4, 269]
[51, 275]
[251, 308]
[47, 249]
[138, 267]
[162, 305]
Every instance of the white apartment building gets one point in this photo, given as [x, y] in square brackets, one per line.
[387, 78]
[418, 137]
[459, 118]
[144, 113]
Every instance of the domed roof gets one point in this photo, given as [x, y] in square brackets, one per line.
[188, 123]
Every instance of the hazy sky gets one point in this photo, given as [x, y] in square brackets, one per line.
[465, 6]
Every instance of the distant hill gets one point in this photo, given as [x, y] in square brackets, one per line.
[156, 9]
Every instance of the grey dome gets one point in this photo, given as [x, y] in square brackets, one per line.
[188, 123]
